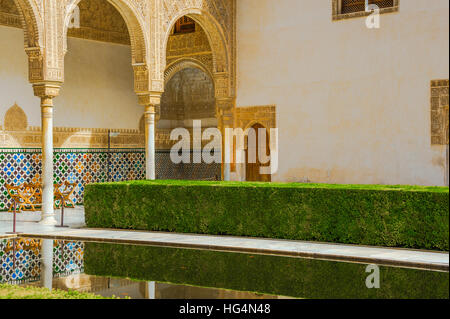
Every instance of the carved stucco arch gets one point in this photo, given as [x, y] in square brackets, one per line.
[135, 24]
[182, 64]
[30, 15]
[217, 41]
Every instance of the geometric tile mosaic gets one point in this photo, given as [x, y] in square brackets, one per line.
[79, 166]
[84, 166]
[20, 259]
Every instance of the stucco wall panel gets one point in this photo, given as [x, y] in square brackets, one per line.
[353, 104]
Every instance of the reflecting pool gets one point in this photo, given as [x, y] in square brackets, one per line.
[170, 273]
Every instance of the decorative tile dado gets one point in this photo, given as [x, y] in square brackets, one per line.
[79, 166]
[338, 15]
[20, 259]
[85, 166]
[439, 112]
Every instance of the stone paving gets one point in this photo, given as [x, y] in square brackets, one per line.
[27, 224]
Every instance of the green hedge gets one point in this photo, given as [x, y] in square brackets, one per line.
[393, 216]
[274, 275]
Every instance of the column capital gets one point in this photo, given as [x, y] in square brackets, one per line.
[225, 111]
[225, 103]
[150, 98]
[46, 90]
[151, 101]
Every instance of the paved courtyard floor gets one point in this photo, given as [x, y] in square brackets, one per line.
[27, 224]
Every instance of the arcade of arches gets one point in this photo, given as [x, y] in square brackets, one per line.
[112, 103]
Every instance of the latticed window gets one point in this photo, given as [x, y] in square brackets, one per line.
[184, 25]
[351, 6]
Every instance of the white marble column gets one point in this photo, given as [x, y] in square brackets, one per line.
[47, 93]
[227, 156]
[47, 263]
[225, 117]
[48, 214]
[151, 290]
[150, 122]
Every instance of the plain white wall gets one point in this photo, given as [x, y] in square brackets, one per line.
[353, 104]
[98, 91]
[14, 85]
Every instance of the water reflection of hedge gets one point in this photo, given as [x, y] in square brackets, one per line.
[305, 278]
[391, 216]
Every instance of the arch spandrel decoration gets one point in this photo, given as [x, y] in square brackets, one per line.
[31, 18]
[185, 63]
[134, 19]
[216, 17]
[148, 22]
[30, 12]
[135, 15]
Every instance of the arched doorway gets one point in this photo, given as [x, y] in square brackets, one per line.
[189, 95]
[252, 168]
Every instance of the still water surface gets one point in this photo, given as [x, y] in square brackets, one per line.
[170, 273]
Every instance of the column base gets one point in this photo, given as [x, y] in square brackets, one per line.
[48, 220]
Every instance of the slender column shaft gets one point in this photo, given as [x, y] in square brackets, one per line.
[48, 214]
[227, 159]
[47, 263]
[151, 290]
[150, 142]
[225, 116]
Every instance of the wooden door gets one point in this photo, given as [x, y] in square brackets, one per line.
[252, 170]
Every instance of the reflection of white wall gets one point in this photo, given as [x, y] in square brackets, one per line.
[14, 85]
[98, 89]
[353, 104]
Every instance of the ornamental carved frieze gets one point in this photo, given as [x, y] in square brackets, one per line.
[439, 112]
[248, 116]
[24, 14]
[148, 24]
[217, 18]
[100, 21]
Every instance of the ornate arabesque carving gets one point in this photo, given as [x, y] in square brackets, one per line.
[189, 95]
[149, 23]
[100, 21]
[439, 112]
[15, 119]
[248, 116]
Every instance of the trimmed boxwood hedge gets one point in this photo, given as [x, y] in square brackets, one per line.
[274, 275]
[392, 216]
